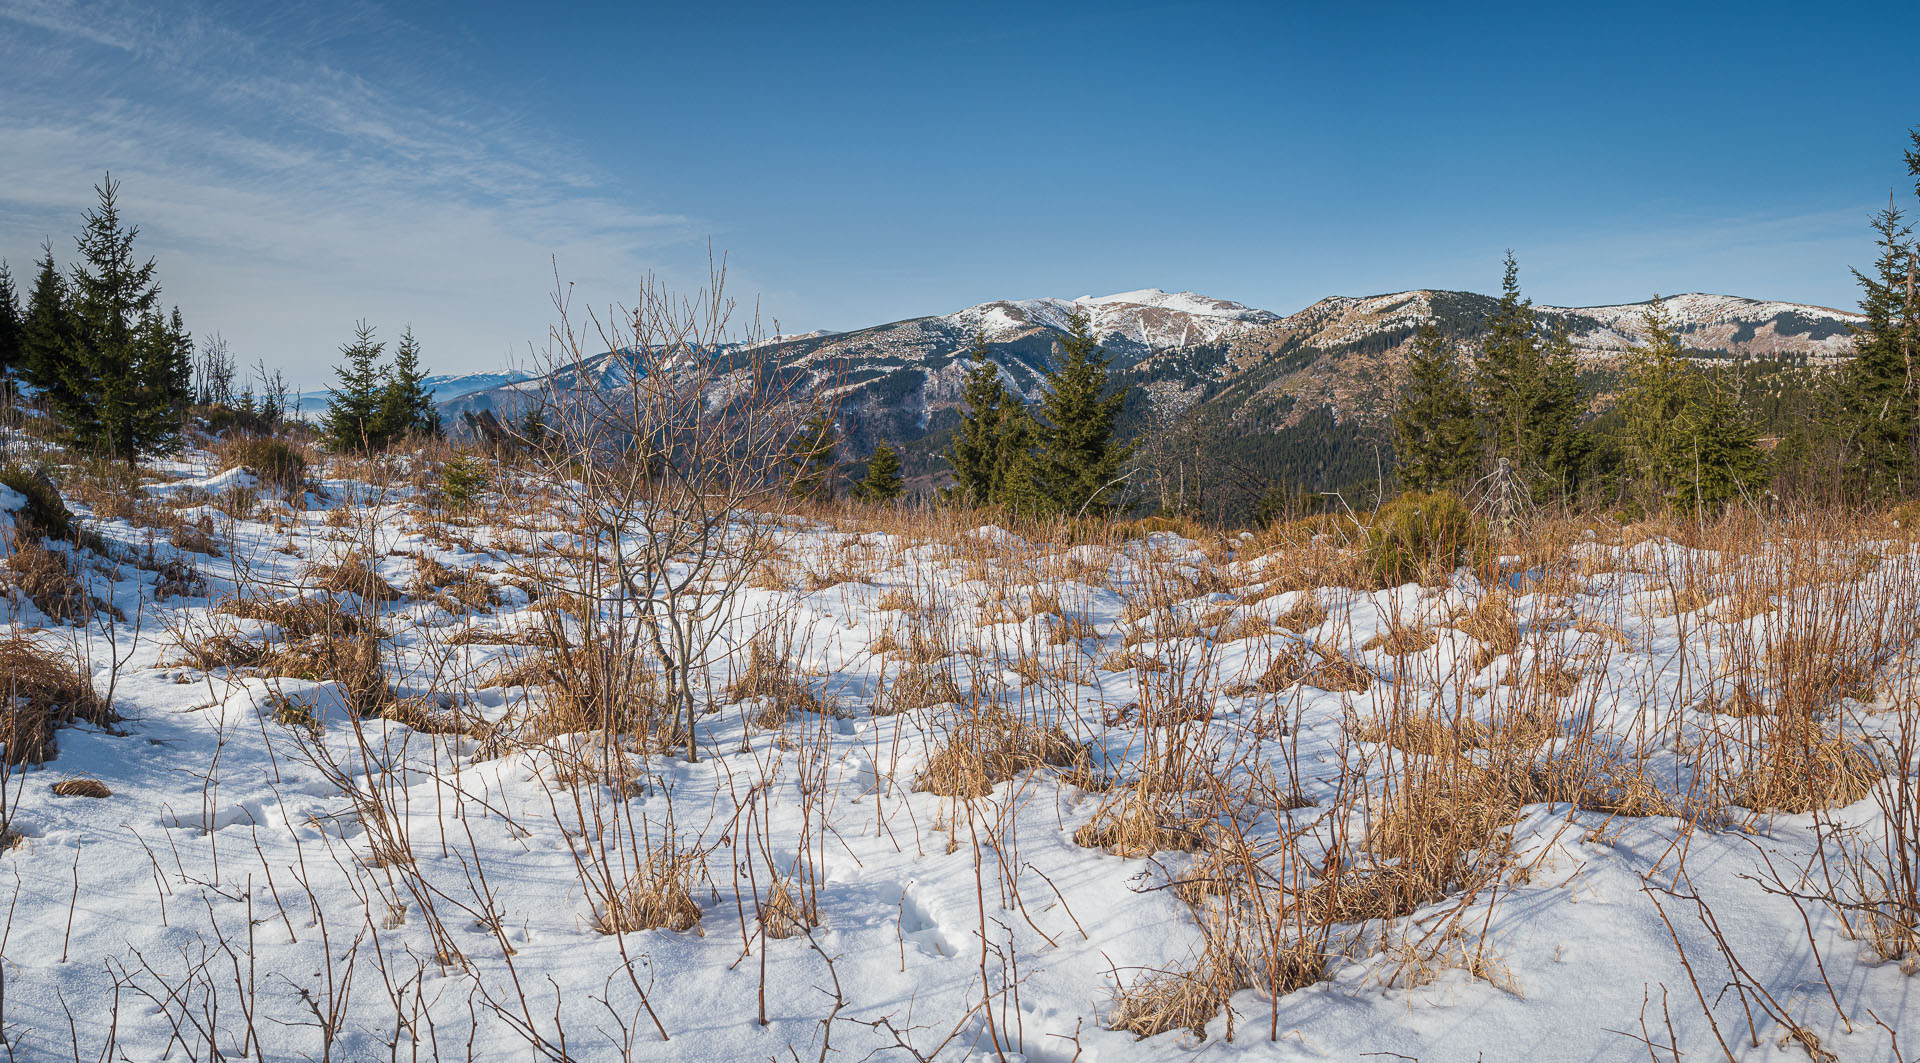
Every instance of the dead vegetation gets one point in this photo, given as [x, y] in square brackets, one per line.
[984, 749]
[43, 692]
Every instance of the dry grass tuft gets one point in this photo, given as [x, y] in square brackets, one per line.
[1443, 831]
[1139, 822]
[658, 897]
[1424, 734]
[1493, 625]
[781, 916]
[40, 692]
[49, 581]
[1172, 1000]
[1135, 660]
[771, 674]
[988, 748]
[81, 787]
[1309, 612]
[1801, 767]
[296, 617]
[1399, 641]
[917, 688]
[354, 575]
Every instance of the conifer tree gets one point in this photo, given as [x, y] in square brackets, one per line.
[1075, 468]
[1437, 443]
[977, 452]
[352, 419]
[10, 324]
[810, 454]
[1690, 442]
[405, 406]
[180, 358]
[882, 482]
[1529, 393]
[45, 329]
[121, 391]
[1875, 399]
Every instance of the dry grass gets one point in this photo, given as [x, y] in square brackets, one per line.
[917, 688]
[1314, 666]
[42, 692]
[81, 788]
[1172, 1000]
[781, 916]
[985, 749]
[1400, 641]
[1137, 821]
[772, 675]
[1135, 660]
[296, 617]
[659, 896]
[47, 579]
[354, 575]
[1307, 613]
[1803, 767]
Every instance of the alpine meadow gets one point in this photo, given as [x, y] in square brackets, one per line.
[446, 615]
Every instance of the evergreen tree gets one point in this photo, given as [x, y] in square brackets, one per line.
[1689, 440]
[1529, 393]
[352, 420]
[1437, 443]
[180, 358]
[1075, 467]
[1875, 413]
[810, 454]
[45, 329]
[882, 482]
[405, 406]
[977, 452]
[121, 393]
[11, 326]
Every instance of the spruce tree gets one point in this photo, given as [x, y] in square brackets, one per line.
[1437, 443]
[1075, 467]
[1875, 411]
[405, 406]
[121, 392]
[882, 482]
[10, 324]
[180, 358]
[976, 454]
[45, 328]
[810, 456]
[1529, 393]
[352, 419]
[1690, 442]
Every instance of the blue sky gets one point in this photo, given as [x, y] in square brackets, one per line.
[297, 168]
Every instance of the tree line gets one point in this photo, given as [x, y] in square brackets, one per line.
[1062, 458]
[1686, 436]
[116, 374]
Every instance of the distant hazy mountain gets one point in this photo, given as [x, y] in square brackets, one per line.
[444, 388]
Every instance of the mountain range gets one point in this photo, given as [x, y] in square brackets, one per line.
[1309, 392]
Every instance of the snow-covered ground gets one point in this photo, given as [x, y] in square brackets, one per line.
[274, 875]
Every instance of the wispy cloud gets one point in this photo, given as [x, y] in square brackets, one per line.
[286, 194]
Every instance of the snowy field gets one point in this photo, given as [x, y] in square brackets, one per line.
[955, 793]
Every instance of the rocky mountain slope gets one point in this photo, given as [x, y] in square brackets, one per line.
[1317, 384]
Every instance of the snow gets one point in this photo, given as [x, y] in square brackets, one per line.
[235, 862]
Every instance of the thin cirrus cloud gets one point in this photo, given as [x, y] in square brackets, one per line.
[286, 197]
